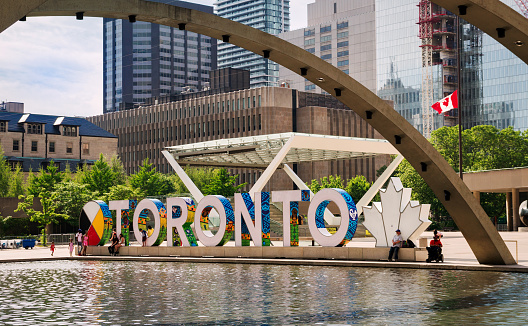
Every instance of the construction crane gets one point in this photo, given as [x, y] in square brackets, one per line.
[426, 35]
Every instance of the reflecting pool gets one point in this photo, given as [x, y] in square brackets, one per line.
[153, 293]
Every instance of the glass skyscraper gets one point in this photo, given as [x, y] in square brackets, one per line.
[271, 16]
[142, 60]
[494, 82]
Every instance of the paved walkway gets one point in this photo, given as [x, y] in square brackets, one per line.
[457, 254]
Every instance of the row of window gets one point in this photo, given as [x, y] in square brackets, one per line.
[193, 130]
[51, 147]
[183, 112]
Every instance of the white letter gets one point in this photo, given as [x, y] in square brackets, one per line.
[225, 212]
[118, 205]
[147, 204]
[177, 222]
[321, 235]
[241, 210]
[286, 196]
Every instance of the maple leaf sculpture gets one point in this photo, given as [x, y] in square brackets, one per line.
[396, 211]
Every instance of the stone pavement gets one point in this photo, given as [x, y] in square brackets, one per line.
[457, 254]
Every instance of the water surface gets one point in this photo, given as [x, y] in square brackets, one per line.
[154, 293]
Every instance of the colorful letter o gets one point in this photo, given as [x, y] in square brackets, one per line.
[347, 209]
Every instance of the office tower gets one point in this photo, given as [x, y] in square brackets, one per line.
[271, 16]
[142, 60]
[493, 83]
[342, 33]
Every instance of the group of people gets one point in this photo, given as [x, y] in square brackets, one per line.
[397, 243]
[82, 243]
[117, 242]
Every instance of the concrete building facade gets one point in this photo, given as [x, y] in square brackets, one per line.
[146, 131]
[342, 33]
[32, 141]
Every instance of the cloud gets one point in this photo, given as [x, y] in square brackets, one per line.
[55, 64]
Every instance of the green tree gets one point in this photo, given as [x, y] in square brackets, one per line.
[45, 180]
[200, 176]
[150, 182]
[122, 192]
[120, 176]
[326, 182]
[44, 217]
[16, 185]
[5, 175]
[71, 198]
[222, 184]
[100, 177]
[357, 187]
[484, 148]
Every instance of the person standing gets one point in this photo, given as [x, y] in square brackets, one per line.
[144, 238]
[52, 247]
[397, 242]
[85, 244]
[71, 246]
[79, 237]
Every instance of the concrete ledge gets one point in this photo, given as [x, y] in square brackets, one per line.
[346, 253]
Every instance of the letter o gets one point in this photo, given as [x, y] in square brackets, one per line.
[348, 212]
[225, 212]
[151, 206]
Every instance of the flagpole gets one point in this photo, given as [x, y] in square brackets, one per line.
[459, 91]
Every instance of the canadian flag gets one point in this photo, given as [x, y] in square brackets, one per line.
[447, 103]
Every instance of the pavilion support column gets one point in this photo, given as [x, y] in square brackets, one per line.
[476, 194]
[509, 214]
[515, 209]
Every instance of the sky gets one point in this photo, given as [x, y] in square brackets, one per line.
[54, 65]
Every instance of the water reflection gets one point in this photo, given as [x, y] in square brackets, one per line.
[144, 293]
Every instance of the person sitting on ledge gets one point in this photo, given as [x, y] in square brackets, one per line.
[397, 242]
[119, 244]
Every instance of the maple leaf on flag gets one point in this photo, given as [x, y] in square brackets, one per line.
[396, 211]
[446, 104]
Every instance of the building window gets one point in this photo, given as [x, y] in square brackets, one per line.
[3, 126]
[342, 25]
[14, 165]
[326, 47]
[51, 147]
[69, 131]
[16, 146]
[342, 53]
[326, 56]
[309, 41]
[325, 29]
[309, 32]
[342, 63]
[34, 146]
[69, 148]
[309, 87]
[342, 44]
[86, 148]
[311, 50]
[326, 38]
[34, 128]
[346, 71]
[342, 34]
